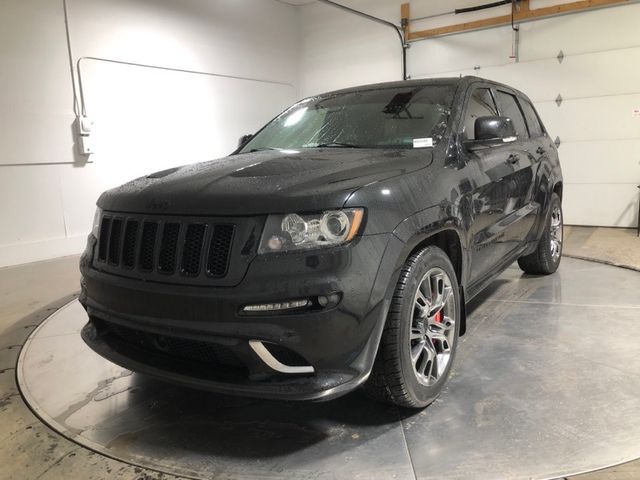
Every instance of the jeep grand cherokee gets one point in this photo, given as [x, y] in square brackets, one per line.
[337, 247]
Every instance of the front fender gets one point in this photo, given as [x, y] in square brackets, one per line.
[419, 227]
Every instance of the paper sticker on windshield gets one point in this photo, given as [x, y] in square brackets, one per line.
[422, 142]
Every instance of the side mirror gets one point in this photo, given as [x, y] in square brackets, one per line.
[494, 129]
[244, 139]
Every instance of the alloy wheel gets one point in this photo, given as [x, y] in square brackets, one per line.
[555, 231]
[433, 326]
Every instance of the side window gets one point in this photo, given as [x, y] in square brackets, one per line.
[509, 108]
[480, 105]
[535, 128]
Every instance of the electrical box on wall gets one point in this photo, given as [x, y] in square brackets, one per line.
[86, 145]
[84, 126]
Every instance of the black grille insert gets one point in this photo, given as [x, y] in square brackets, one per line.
[218, 258]
[114, 241]
[105, 228]
[192, 251]
[129, 245]
[148, 245]
[168, 246]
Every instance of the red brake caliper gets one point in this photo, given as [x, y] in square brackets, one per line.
[438, 317]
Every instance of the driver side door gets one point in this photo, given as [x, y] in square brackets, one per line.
[493, 188]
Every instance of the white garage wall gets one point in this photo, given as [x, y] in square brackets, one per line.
[599, 80]
[148, 119]
[145, 119]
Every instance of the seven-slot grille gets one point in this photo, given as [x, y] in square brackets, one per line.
[167, 247]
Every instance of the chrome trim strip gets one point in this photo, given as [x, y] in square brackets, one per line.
[272, 362]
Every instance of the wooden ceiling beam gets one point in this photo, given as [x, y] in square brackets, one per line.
[524, 14]
[405, 15]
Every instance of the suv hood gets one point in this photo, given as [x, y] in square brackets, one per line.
[270, 181]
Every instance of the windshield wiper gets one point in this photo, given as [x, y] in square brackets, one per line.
[337, 145]
[262, 149]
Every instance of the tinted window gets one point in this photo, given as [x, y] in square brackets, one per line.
[383, 118]
[535, 129]
[480, 105]
[509, 108]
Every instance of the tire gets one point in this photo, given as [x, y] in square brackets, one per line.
[546, 258]
[394, 378]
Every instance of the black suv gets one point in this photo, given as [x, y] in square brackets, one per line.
[337, 247]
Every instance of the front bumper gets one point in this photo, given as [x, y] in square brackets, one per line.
[339, 343]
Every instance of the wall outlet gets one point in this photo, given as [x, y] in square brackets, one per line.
[85, 144]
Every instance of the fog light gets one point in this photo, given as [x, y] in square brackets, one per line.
[270, 307]
[329, 300]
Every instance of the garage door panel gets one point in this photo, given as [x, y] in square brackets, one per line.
[596, 118]
[608, 205]
[598, 30]
[601, 161]
[608, 73]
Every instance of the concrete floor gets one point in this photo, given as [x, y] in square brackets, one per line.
[26, 289]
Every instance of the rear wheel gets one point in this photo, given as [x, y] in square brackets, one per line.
[421, 334]
[546, 258]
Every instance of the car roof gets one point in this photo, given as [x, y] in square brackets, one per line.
[453, 81]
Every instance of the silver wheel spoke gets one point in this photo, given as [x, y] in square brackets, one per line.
[442, 363]
[417, 333]
[433, 367]
[442, 341]
[416, 351]
[422, 304]
[442, 328]
[442, 299]
[424, 364]
[427, 359]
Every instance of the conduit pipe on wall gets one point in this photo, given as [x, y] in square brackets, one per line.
[458, 11]
[381, 21]
[160, 67]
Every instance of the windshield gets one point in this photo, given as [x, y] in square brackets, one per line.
[384, 118]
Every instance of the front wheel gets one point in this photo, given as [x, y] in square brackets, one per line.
[419, 341]
[546, 258]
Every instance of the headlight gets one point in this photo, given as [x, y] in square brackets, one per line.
[95, 229]
[283, 233]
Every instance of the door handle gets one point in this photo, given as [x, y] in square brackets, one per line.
[540, 151]
[513, 159]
